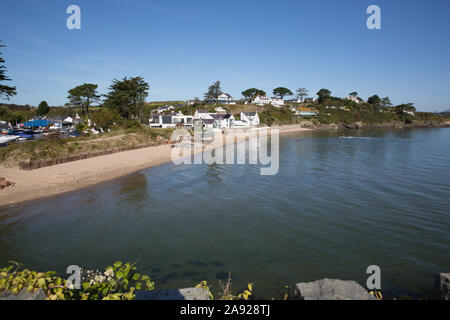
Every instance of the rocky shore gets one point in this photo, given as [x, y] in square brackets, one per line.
[384, 125]
[324, 289]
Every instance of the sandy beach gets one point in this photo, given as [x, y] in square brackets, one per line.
[66, 177]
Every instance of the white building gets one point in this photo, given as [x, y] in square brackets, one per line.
[225, 98]
[355, 99]
[171, 121]
[164, 108]
[250, 119]
[202, 114]
[276, 102]
[263, 100]
[223, 121]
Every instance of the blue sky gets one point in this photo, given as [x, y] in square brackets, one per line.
[181, 47]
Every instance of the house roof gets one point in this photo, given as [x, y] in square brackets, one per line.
[307, 109]
[202, 111]
[249, 114]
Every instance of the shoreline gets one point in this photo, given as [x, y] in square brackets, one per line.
[67, 177]
[71, 176]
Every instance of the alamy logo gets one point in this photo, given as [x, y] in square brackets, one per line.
[74, 20]
[374, 281]
[214, 147]
[374, 20]
[74, 280]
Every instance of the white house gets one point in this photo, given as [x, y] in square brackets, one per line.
[355, 99]
[261, 100]
[225, 98]
[171, 121]
[277, 102]
[204, 123]
[164, 108]
[223, 120]
[250, 118]
[202, 114]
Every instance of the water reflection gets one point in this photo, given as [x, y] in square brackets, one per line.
[336, 206]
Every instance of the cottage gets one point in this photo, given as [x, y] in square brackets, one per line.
[202, 114]
[170, 121]
[204, 123]
[261, 100]
[223, 121]
[250, 118]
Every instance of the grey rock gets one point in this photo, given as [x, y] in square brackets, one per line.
[331, 289]
[179, 294]
[443, 286]
[23, 295]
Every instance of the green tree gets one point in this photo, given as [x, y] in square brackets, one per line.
[302, 93]
[282, 92]
[214, 91]
[127, 96]
[5, 91]
[83, 96]
[386, 102]
[401, 108]
[374, 100]
[353, 94]
[253, 93]
[323, 94]
[43, 108]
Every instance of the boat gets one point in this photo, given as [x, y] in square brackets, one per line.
[4, 140]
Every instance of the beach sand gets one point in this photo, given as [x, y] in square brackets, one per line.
[70, 176]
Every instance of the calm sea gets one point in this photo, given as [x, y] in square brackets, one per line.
[336, 206]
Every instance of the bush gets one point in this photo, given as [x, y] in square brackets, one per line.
[80, 127]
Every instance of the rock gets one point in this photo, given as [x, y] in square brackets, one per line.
[331, 289]
[5, 183]
[180, 294]
[443, 286]
[23, 295]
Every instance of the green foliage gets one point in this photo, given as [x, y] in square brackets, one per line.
[83, 96]
[5, 91]
[81, 127]
[323, 95]
[214, 91]
[374, 100]
[127, 96]
[276, 116]
[282, 92]
[118, 282]
[43, 108]
[226, 293]
[253, 93]
[106, 118]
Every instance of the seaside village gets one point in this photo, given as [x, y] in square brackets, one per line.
[166, 116]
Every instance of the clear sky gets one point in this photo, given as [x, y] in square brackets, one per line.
[181, 47]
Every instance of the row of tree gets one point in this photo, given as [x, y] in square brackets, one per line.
[126, 96]
[215, 90]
